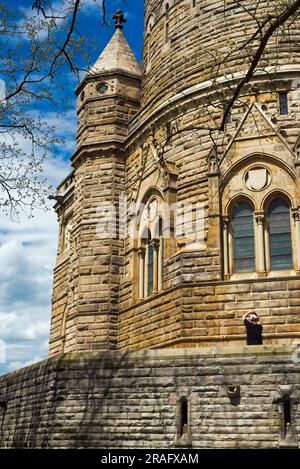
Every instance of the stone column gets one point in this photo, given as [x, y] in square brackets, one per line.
[155, 244]
[226, 247]
[296, 218]
[214, 221]
[141, 254]
[146, 263]
[261, 259]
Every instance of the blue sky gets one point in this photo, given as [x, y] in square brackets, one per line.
[28, 248]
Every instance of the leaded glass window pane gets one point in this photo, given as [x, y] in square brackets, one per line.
[150, 269]
[243, 238]
[281, 253]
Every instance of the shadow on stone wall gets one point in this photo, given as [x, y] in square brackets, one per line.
[132, 399]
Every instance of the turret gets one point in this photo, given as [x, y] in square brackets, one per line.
[86, 280]
[109, 95]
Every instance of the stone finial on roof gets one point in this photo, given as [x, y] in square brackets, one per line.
[119, 19]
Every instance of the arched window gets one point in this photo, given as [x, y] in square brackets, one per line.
[161, 253]
[242, 228]
[143, 253]
[151, 249]
[279, 226]
[148, 41]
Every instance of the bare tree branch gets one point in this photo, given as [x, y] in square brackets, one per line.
[290, 11]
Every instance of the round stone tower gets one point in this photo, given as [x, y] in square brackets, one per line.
[234, 180]
[188, 42]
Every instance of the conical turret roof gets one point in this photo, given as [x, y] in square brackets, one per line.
[117, 56]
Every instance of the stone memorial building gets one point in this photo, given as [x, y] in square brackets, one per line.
[172, 226]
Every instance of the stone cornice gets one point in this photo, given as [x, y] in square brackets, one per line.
[105, 147]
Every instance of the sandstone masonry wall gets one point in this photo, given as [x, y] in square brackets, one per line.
[211, 312]
[199, 38]
[132, 400]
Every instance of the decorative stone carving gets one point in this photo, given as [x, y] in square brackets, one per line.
[141, 252]
[297, 150]
[156, 244]
[295, 214]
[119, 19]
[257, 179]
[259, 217]
[68, 236]
[212, 162]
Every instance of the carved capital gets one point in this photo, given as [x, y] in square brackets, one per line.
[259, 217]
[141, 252]
[155, 243]
[295, 214]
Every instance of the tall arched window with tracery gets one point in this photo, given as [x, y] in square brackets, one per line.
[151, 248]
[260, 219]
[150, 267]
[263, 241]
[280, 239]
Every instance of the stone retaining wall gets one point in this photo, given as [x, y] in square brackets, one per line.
[132, 399]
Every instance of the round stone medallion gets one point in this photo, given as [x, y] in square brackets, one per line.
[257, 178]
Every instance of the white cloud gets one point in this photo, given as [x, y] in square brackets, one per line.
[63, 124]
[27, 256]
[16, 365]
[26, 259]
[64, 127]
